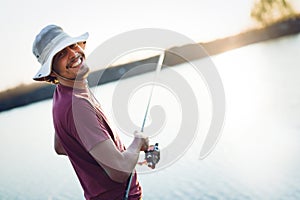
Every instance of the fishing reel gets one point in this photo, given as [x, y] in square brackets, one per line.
[152, 156]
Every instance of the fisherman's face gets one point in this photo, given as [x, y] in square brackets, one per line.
[70, 62]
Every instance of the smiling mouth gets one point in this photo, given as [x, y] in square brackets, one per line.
[75, 62]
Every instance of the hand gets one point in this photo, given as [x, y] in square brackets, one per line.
[152, 156]
[142, 139]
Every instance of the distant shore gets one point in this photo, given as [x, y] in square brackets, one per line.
[26, 94]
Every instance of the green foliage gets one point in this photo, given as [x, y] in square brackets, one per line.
[266, 12]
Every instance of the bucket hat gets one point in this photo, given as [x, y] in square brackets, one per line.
[47, 44]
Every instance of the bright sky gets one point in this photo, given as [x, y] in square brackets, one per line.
[20, 21]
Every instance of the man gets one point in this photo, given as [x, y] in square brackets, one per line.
[82, 131]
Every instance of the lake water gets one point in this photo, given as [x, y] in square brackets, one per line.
[257, 156]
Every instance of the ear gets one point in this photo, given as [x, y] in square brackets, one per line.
[82, 44]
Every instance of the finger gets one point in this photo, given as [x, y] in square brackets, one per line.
[138, 134]
[135, 132]
[144, 147]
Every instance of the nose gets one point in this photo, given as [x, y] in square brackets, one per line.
[71, 52]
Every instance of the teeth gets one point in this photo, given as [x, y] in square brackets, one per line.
[77, 63]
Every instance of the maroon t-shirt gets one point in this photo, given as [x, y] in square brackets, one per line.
[80, 124]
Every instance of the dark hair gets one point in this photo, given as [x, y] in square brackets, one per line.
[51, 79]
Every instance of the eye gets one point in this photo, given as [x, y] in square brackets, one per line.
[73, 46]
[82, 44]
[60, 54]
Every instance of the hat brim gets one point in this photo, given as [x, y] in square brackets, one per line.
[46, 68]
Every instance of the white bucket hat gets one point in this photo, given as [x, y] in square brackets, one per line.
[47, 44]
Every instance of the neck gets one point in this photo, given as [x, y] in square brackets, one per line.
[77, 84]
[74, 83]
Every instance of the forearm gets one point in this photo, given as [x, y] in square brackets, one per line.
[127, 163]
[124, 168]
[118, 165]
[123, 162]
[131, 156]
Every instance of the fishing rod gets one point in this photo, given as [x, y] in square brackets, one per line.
[152, 156]
[158, 69]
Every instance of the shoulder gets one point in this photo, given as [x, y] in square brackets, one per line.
[80, 101]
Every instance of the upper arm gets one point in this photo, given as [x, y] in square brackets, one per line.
[107, 154]
[88, 124]
[95, 137]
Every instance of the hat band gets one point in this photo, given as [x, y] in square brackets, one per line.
[44, 55]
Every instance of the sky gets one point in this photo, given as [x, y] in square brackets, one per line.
[21, 21]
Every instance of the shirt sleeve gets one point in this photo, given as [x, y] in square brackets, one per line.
[89, 124]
